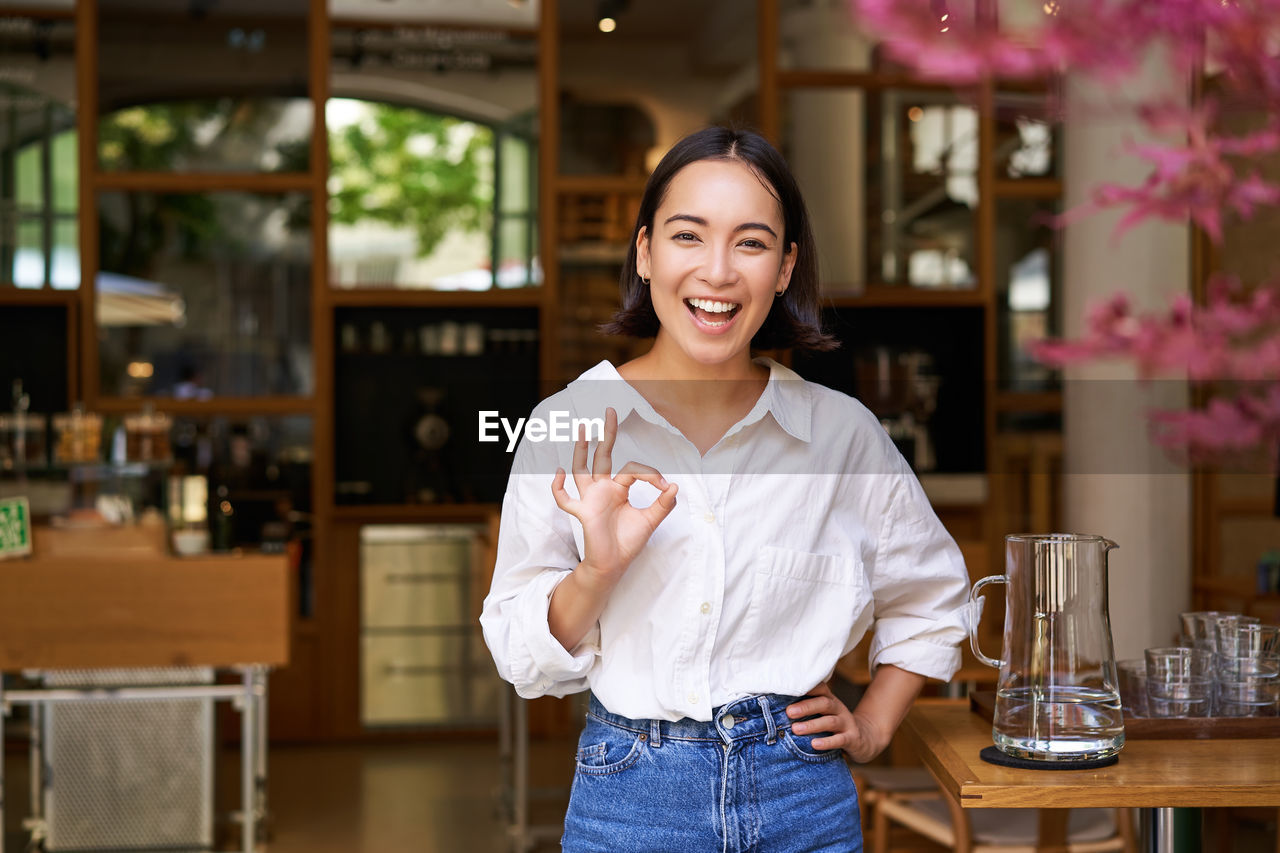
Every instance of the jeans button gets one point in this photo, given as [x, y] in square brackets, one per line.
[727, 721]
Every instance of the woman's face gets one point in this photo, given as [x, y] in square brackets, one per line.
[715, 260]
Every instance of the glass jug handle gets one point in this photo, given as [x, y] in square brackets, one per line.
[973, 630]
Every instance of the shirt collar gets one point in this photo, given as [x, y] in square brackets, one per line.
[786, 397]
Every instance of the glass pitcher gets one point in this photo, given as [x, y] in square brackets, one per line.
[1057, 696]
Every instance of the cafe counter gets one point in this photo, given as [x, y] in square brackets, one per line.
[97, 618]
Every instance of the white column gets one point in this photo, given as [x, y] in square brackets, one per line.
[824, 136]
[1116, 482]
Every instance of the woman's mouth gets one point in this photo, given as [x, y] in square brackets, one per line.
[712, 313]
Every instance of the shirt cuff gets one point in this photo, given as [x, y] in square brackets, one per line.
[550, 659]
[926, 647]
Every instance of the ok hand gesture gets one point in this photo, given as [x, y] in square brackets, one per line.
[614, 531]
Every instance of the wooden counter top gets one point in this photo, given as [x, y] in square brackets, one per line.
[145, 611]
[1150, 773]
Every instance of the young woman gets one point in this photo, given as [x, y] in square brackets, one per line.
[757, 526]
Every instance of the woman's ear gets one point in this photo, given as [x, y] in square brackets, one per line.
[784, 272]
[642, 253]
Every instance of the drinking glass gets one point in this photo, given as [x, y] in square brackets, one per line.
[1180, 682]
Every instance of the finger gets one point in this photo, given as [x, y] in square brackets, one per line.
[563, 499]
[633, 471]
[602, 464]
[581, 476]
[829, 723]
[840, 740]
[662, 505]
[820, 704]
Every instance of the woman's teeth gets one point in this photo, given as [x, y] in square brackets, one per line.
[712, 312]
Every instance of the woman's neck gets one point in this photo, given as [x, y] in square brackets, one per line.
[665, 360]
[670, 379]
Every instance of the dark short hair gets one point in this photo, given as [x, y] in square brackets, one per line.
[794, 320]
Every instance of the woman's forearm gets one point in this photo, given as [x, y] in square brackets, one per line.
[886, 702]
[576, 605]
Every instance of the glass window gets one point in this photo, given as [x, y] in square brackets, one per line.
[203, 86]
[922, 189]
[38, 181]
[1027, 135]
[890, 177]
[1027, 269]
[217, 134]
[204, 295]
[432, 158]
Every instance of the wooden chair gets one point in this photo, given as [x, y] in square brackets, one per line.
[910, 797]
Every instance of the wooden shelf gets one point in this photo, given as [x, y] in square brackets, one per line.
[215, 406]
[599, 184]
[1034, 188]
[1244, 507]
[44, 296]
[1238, 584]
[1028, 401]
[198, 182]
[386, 297]
[885, 296]
[813, 78]
[402, 513]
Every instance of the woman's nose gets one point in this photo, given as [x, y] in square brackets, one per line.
[718, 266]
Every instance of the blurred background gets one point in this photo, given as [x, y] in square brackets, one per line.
[262, 261]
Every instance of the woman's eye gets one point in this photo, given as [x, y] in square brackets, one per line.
[686, 236]
[754, 244]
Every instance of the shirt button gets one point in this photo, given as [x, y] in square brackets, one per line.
[693, 698]
[727, 721]
[706, 607]
[709, 518]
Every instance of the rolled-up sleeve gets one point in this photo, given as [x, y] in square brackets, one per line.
[536, 551]
[921, 588]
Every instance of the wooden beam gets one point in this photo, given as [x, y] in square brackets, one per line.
[87, 132]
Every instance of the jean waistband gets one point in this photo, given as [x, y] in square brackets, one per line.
[762, 715]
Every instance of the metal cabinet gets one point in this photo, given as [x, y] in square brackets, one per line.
[423, 659]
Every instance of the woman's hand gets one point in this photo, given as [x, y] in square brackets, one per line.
[859, 736]
[614, 531]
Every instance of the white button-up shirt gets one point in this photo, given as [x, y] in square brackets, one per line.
[799, 530]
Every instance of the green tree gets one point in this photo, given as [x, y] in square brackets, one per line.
[404, 166]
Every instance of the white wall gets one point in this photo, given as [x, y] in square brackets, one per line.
[1116, 483]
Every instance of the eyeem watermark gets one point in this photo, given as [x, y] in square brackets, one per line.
[560, 427]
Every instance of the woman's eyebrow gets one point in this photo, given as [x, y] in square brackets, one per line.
[698, 220]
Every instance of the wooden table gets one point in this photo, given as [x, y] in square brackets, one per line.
[1153, 775]
[122, 608]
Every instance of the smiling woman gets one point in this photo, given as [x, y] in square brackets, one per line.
[707, 628]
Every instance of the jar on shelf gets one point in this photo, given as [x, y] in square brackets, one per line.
[147, 437]
[22, 441]
[78, 437]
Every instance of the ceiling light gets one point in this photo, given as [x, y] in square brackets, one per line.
[608, 25]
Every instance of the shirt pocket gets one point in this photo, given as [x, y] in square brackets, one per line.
[802, 608]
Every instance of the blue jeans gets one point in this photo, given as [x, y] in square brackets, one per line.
[742, 783]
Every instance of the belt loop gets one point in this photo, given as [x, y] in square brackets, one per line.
[772, 736]
[655, 733]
